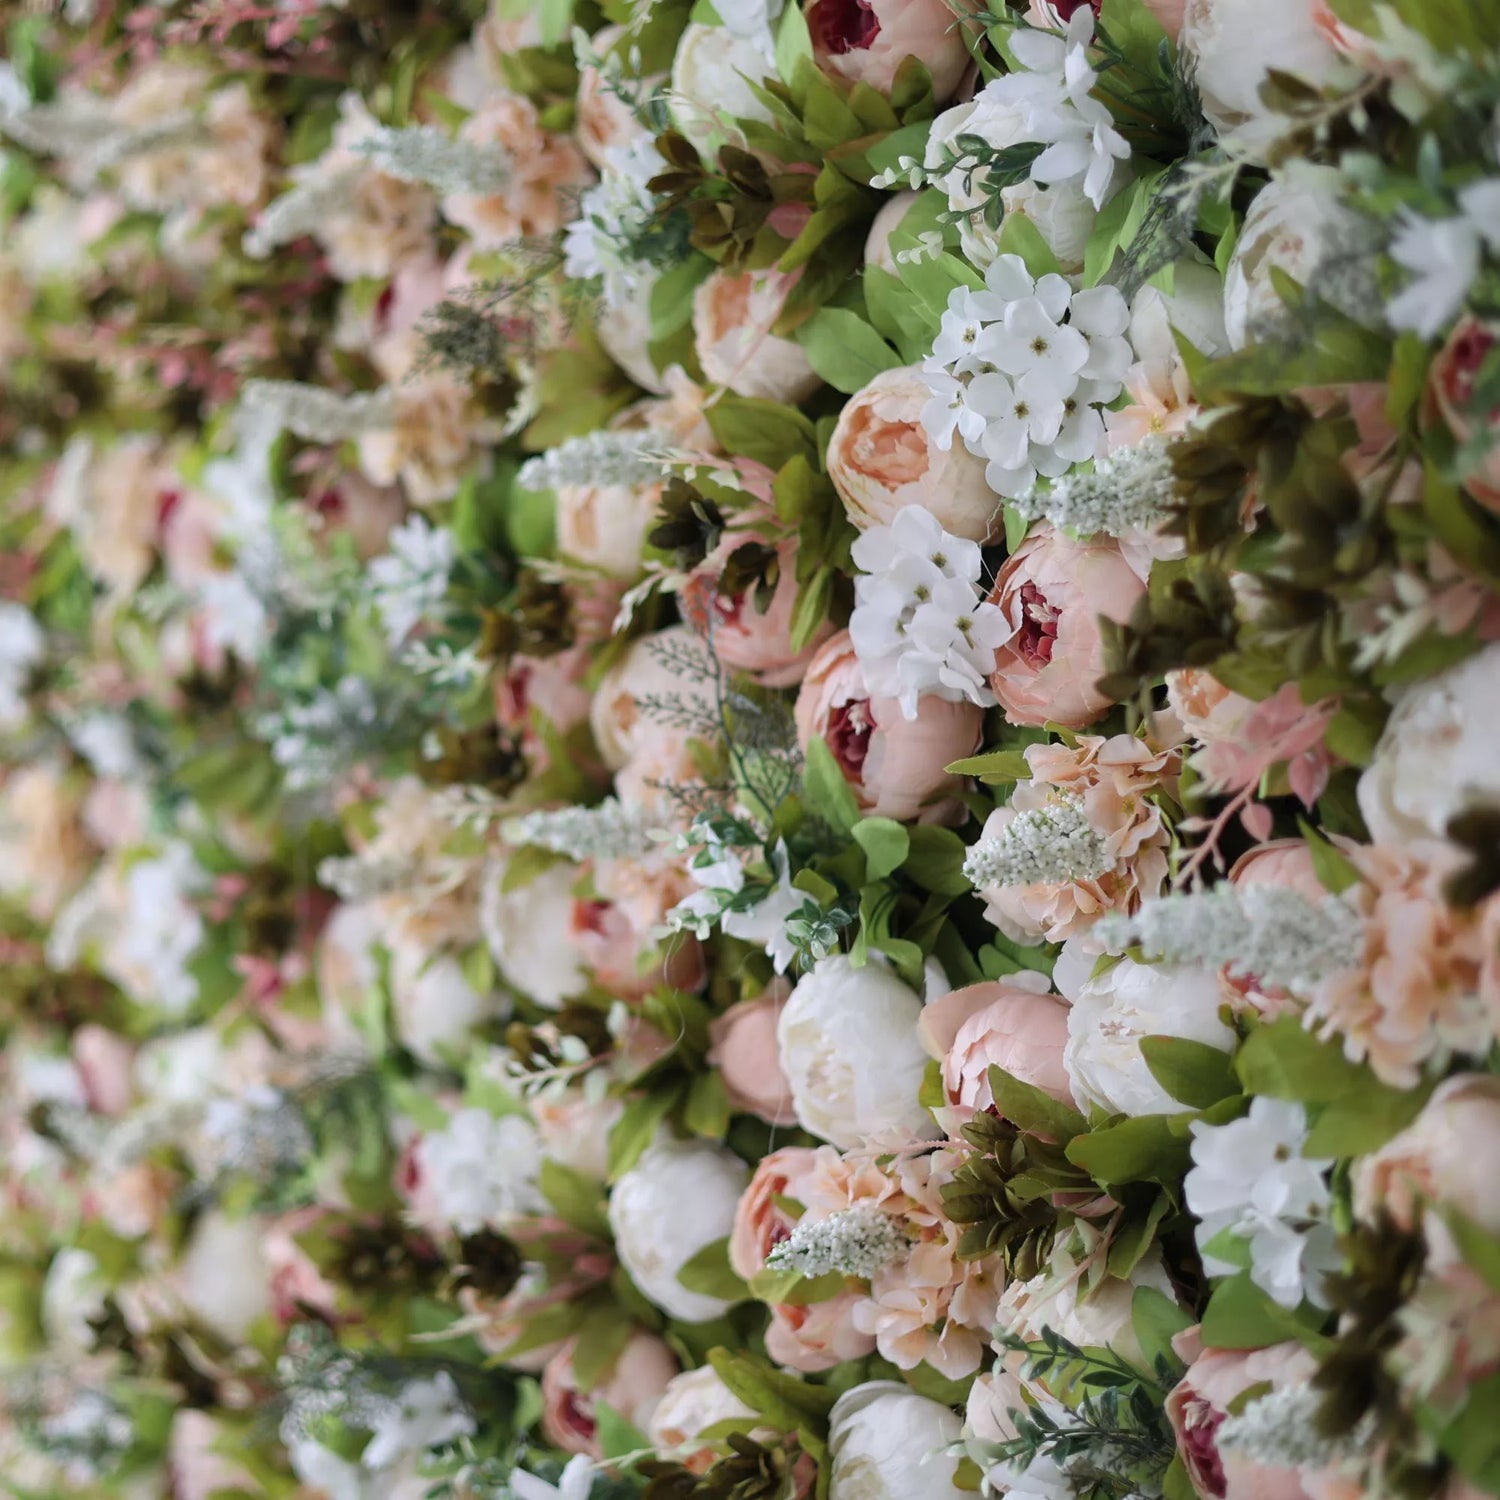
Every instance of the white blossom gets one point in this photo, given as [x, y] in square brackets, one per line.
[1250, 1179]
[423, 1414]
[856, 1241]
[302, 209]
[615, 221]
[426, 154]
[611, 830]
[317, 415]
[481, 1171]
[1042, 846]
[920, 623]
[1126, 491]
[408, 582]
[602, 458]
[1280, 1430]
[1022, 371]
[1442, 258]
[22, 647]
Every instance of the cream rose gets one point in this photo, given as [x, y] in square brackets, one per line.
[732, 318]
[850, 1051]
[679, 1197]
[622, 726]
[712, 71]
[1053, 591]
[881, 460]
[692, 1401]
[895, 764]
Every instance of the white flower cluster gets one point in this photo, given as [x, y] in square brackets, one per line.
[312, 741]
[1046, 101]
[426, 154]
[1048, 845]
[856, 1242]
[614, 217]
[1266, 933]
[1280, 1430]
[920, 625]
[1021, 370]
[1126, 491]
[609, 831]
[752, 914]
[408, 582]
[1250, 1182]
[302, 209]
[1442, 257]
[317, 415]
[22, 647]
[630, 459]
[424, 1413]
[479, 1170]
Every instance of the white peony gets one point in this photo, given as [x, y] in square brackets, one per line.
[692, 1401]
[851, 1055]
[1112, 1013]
[711, 77]
[1437, 755]
[529, 932]
[224, 1277]
[435, 1007]
[1297, 225]
[1231, 45]
[885, 1442]
[73, 1301]
[624, 331]
[480, 1170]
[1194, 307]
[678, 1198]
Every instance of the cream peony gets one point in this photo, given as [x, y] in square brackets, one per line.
[732, 319]
[692, 1401]
[678, 1198]
[1112, 1012]
[866, 41]
[1437, 755]
[711, 76]
[851, 1054]
[528, 930]
[886, 1443]
[881, 459]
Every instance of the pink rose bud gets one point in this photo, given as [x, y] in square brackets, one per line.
[894, 764]
[743, 1048]
[1053, 591]
[881, 459]
[866, 41]
[1450, 395]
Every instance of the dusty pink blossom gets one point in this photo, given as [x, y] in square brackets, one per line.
[866, 41]
[1451, 384]
[632, 1386]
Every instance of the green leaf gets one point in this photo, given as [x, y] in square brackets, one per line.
[886, 845]
[1479, 1248]
[577, 1200]
[672, 295]
[1472, 1440]
[1283, 1060]
[1019, 236]
[994, 768]
[1175, 1483]
[602, 1335]
[1143, 1149]
[1157, 1320]
[825, 792]
[787, 1403]
[1240, 1316]
[844, 349]
[707, 1111]
[617, 1435]
[1363, 1121]
[1029, 1108]
[710, 1273]
[1135, 1237]
[1193, 1073]
[792, 43]
[1335, 872]
[634, 1130]
[765, 431]
[793, 1289]
[936, 860]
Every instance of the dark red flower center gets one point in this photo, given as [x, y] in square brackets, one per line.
[1038, 632]
[578, 1416]
[1199, 1438]
[1066, 8]
[849, 727]
[839, 26]
[1469, 350]
[588, 916]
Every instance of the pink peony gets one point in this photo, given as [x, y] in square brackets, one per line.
[866, 41]
[1450, 396]
[743, 1047]
[1014, 1023]
[632, 1386]
[1053, 591]
[894, 764]
[881, 460]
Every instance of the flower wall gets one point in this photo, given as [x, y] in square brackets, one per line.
[748, 750]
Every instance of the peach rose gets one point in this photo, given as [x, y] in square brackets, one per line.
[1053, 591]
[760, 1223]
[1111, 779]
[1014, 1023]
[881, 459]
[632, 1386]
[732, 318]
[747, 638]
[1449, 1156]
[1450, 395]
[819, 1335]
[621, 726]
[1200, 1401]
[894, 764]
[743, 1047]
[866, 41]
